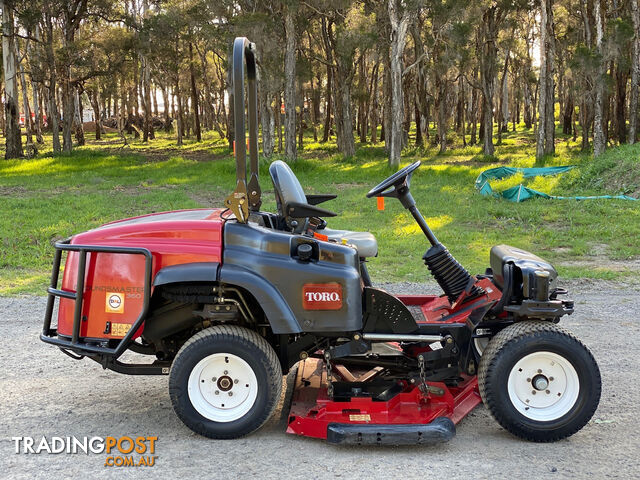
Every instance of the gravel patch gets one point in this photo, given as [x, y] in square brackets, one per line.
[45, 393]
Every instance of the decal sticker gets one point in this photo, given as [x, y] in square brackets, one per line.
[114, 303]
[119, 329]
[360, 418]
[322, 296]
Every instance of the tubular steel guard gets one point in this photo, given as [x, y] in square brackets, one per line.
[50, 335]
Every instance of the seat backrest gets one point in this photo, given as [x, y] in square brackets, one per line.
[287, 189]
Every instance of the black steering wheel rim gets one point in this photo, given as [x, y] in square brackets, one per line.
[394, 180]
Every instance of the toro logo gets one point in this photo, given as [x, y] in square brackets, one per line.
[322, 296]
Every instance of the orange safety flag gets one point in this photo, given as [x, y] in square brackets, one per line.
[380, 203]
[320, 236]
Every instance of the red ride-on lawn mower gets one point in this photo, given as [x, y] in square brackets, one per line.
[227, 300]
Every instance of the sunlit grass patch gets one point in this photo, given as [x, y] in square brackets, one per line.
[47, 198]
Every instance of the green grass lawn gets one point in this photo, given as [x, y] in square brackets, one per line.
[47, 198]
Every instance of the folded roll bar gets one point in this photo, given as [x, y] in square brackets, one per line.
[246, 196]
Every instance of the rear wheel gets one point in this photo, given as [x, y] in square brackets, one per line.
[539, 381]
[225, 382]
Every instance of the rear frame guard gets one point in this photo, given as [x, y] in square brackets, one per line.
[104, 355]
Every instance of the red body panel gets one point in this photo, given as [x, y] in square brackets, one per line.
[173, 238]
[437, 309]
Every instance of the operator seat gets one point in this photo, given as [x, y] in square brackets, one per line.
[288, 189]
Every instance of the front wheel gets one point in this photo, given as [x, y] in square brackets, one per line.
[225, 382]
[539, 381]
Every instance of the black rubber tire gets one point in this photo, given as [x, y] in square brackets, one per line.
[515, 342]
[249, 346]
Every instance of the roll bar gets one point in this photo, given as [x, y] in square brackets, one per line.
[246, 196]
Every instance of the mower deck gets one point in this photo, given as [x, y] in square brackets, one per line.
[407, 416]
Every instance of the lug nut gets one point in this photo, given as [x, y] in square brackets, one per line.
[217, 392]
[231, 394]
[533, 392]
[226, 373]
[214, 379]
[235, 381]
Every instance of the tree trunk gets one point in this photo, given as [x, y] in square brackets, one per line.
[68, 109]
[343, 73]
[488, 74]
[399, 27]
[441, 112]
[278, 114]
[11, 108]
[327, 107]
[122, 111]
[180, 122]
[314, 98]
[94, 97]
[165, 108]
[504, 98]
[32, 149]
[462, 120]
[635, 73]
[300, 117]
[545, 143]
[37, 110]
[194, 96]
[474, 110]
[268, 123]
[422, 101]
[622, 75]
[567, 114]
[77, 117]
[599, 136]
[290, 85]
[374, 109]
[35, 94]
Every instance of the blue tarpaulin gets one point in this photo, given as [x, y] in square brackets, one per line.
[520, 193]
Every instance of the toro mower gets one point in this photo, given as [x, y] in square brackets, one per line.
[227, 300]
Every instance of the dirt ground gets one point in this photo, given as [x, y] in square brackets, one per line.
[45, 393]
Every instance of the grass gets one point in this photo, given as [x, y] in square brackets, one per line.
[47, 198]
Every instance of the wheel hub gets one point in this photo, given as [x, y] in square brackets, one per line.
[225, 383]
[540, 382]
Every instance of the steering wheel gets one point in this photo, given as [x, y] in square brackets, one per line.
[394, 181]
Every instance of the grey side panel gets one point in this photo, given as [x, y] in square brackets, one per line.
[272, 256]
[187, 272]
[280, 316]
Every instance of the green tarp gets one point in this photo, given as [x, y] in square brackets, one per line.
[520, 193]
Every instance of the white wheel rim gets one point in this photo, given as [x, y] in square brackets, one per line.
[552, 378]
[233, 380]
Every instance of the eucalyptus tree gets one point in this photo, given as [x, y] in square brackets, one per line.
[11, 108]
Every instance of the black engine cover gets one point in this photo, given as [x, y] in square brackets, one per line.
[525, 263]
